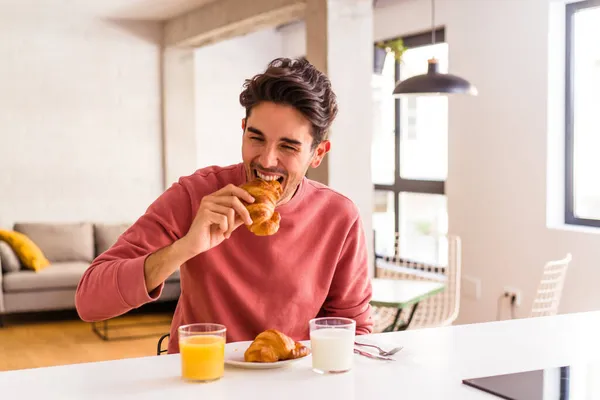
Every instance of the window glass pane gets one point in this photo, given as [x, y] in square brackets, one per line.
[424, 120]
[586, 134]
[382, 149]
[423, 222]
[384, 217]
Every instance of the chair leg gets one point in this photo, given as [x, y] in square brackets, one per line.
[159, 349]
[392, 327]
[412, 314]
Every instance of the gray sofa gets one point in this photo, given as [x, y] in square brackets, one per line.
[70, 247]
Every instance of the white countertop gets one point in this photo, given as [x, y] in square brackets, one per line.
[431, 366]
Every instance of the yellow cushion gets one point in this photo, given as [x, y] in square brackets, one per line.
[28, 252]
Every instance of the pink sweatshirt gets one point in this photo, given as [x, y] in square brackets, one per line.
[315, 265]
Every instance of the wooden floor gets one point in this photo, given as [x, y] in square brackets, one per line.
[48, 339]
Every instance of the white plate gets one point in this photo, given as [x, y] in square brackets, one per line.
[234, 355]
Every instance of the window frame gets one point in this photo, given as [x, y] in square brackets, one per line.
[570, 217]
[400, 184]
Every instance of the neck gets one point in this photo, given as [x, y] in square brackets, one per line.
[290, 197]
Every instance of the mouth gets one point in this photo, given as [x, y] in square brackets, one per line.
[268, 177]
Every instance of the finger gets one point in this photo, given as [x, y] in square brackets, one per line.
[238, 192]
[228, 212]
[236, 204]
[217, 218]
[238, 222]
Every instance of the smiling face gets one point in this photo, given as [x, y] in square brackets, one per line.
[278, 144]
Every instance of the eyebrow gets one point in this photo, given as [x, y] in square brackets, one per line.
[284, 139]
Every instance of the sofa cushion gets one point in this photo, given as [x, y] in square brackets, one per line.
[8, 258]
[61, 275]
[61, 241]
[106, 235]
[28, 252]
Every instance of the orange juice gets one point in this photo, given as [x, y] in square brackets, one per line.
[202, 357]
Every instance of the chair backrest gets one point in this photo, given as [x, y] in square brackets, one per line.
[550, 288]
[441, 309]
[159, 349]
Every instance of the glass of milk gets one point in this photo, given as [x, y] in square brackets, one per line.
[332, 344]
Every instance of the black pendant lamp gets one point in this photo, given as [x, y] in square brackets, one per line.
[434, 82]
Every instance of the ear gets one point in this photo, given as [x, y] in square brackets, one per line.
[243, 124]
[322, 149]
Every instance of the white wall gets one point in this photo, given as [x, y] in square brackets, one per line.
[179, 105]
[79, 117]
[500, 144]
[293, 39]
[221, 69]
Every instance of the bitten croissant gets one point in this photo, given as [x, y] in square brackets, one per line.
[272, 345]
[265, 220]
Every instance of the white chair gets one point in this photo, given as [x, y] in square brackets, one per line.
[440, 309]
[550, 287]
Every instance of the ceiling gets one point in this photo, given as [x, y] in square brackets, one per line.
[153, 10]
[120, 9]
[165, 9]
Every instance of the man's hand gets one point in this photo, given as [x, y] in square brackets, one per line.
[219, 214]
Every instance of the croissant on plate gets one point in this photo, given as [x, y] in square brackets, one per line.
[265, 220]
[272, 345]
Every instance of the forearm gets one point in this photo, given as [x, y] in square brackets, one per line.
[132, 272]
[164, 262]
[109, 288]
[364, 322]
[359, 310]
[351, 290]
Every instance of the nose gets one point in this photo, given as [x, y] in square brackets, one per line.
[268, 158]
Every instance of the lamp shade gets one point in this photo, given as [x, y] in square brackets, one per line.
[434, 82]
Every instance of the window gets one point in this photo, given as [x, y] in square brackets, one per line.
[410, 158]
[582, 183]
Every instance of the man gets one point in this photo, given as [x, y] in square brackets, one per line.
[316, 263]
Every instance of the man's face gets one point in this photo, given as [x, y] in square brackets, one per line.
[277, 144]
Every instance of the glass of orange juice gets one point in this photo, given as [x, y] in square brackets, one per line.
[202, 351]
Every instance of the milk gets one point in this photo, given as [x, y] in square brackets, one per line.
[332, 349]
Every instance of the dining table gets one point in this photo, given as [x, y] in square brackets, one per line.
[402, 294]
[433, 364]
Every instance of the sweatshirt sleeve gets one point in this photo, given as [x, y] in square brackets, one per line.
[114, 283]
[350, 292]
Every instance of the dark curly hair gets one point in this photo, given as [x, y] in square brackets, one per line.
[297, 83]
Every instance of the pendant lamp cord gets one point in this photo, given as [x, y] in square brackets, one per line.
[432, 21]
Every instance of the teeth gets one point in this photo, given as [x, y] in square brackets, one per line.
[267, 177]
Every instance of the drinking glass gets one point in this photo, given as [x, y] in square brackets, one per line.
[332, 344]
[202, 350]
